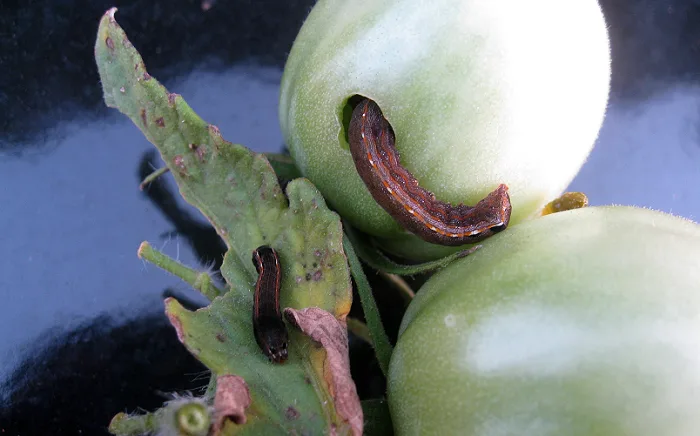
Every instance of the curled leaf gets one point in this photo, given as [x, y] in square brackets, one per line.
[325, 329]
[231, 400]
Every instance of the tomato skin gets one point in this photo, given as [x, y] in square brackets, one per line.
[478, 93]
[584, 322]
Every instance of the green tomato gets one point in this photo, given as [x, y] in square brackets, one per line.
[478, 93]
[584, 322]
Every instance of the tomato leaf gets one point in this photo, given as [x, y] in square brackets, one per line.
[238, 192]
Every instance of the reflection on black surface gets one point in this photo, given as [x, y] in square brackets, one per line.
[78, 382]
[206, 243]
[652, 40]
[48, 69]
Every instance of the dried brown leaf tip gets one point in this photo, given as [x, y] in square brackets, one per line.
[324, 328]
[110, 13]
[231, 400]
[174, 320]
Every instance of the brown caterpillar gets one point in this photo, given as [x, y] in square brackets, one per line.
[372, 145]
[268, 326]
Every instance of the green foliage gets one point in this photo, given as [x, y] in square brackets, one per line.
[238, 192]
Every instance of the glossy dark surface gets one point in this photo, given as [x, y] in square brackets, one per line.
[83, 331]
[83, 335]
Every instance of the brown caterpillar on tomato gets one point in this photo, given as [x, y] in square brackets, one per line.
[393, 187]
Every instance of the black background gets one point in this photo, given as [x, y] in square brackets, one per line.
[83, 335]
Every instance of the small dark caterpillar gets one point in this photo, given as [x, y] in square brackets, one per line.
[268, 327]
[397, 191]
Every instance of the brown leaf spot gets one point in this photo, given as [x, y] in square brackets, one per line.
[220, 337]
[291, 413]
[217, 140]
[308, 277]
[179, 162]
[146, 76]
[214, 131]
[160, 122]
[110, 43]
[171, 98]
[231, 400]
[143, 118]
[199, 150]
[324, 328]
[175, 322]
[126, 42]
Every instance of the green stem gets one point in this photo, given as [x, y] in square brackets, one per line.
[133, 425]
[380, 341]
[406, 292]
[154, 175]
[201, 281]
[377, 260]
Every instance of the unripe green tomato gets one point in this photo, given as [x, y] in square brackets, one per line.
[584, 322]
[478, 93]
